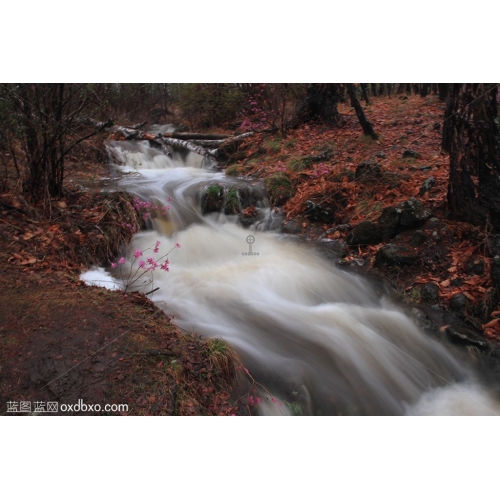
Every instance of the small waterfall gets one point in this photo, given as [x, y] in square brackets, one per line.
[319, 339]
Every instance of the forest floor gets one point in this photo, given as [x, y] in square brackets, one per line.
[63, 341]
[316, 171]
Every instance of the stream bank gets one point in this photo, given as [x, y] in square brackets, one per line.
[63, 341]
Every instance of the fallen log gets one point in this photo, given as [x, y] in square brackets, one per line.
[188, 145]
[198, 143]
[187, 136]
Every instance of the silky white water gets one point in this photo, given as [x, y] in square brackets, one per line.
[319, 339]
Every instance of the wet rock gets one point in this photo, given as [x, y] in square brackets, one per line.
[332, 249]
[410, 153]
[359, 262]
[403, 216]
[423, 321]
[247, 220]
[413, 212]
[436, 126]
[418, 238]
[458, 302]
[475, 267]
[457, 282]
[365, 233]
[427, 185]
[429, 292]
[367, 169]
[291, 227]
[395, 254]
[325, 154]
[318, 212]
[380, 154]
[389, 221]
[341, 228]
[425, 168]
[462, 338]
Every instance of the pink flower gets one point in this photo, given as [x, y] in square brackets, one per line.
[152, 264]
[169, 199]
[142, 264]
[157, 246]
[258, 400]
[177, 245]
[137, 254]
[113, 265]
[164, 266]
[122, 261]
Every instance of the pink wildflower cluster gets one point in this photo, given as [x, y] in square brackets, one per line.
[146, 207]
[144, 266]
[253, 398]
[257, 116]
[320, 170]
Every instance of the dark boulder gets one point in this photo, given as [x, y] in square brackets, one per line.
[458, 301]
[318, 212]
[397, 218]
[429, 292]
[395, 254]
[475, 267]
[291, 227]
[413, 212]
[418, 239]
[409, 153]
[389, 221]
[332, 249]
[367, 169]
[365, 233]
[462, 338]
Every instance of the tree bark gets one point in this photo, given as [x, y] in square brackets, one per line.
[365, 93]
[474, 185]
[424, 89]
[443, 91]
[365, 124]
[320, 104]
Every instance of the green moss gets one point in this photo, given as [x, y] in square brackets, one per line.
[299, 163]
[279, 188]
[212, 197]
[273, 146]
[232, 170]
[232, 202]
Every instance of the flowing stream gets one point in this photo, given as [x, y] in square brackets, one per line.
[320, 339]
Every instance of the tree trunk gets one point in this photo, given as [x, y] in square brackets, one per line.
[365, 124]
[424, 89]
[365, 93]
[447, 124]
[474, 186]
[443, 91]
[320, 104]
